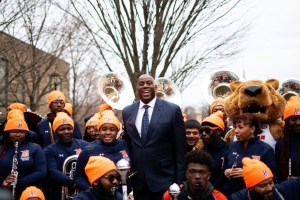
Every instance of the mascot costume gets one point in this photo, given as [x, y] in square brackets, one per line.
[261, 99]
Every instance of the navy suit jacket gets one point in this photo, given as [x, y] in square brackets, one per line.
[159, 161]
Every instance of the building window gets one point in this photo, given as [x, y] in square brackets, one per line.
[4, 82]
[55, 81]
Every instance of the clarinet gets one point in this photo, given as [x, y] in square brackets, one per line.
[14, 169]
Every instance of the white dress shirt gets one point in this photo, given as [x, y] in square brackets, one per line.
[141, 111]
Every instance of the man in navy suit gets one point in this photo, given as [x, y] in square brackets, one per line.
[158, 146]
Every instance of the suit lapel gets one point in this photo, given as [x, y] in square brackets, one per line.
[158, 108]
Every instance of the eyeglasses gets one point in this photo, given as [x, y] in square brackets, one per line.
[112, 177]
[208, 129]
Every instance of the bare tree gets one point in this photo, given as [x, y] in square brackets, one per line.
[161, 37]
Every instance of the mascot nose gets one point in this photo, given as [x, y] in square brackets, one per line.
[253, 90]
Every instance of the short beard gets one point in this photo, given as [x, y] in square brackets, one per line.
[104, 191]
[257, 196]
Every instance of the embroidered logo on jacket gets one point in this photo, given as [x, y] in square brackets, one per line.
[25, 155]
[77, 151]
[256, 157]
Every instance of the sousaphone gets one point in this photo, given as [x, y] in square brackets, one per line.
[290, 87]
[167, 90]
[115, 90]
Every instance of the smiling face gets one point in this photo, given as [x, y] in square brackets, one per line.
[192, 136]
[108, 133]
[146, 88]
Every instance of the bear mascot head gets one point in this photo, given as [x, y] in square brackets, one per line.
[261, 99]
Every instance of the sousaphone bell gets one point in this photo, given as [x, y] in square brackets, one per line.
[290, 87]
[115, 90]
[167, 90]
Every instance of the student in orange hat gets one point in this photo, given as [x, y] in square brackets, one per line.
[31, 161]
[212, 129]
[108, 146]
[259, 181]
[287, 149]
[104, 179]
[91, 130]
[56, 154]
[56, 103]
[32, 193]
[247, 127]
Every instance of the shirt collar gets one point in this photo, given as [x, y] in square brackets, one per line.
[151, 103]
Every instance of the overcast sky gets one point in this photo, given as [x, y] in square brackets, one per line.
[271, 48]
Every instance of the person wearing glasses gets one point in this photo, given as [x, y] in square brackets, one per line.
[247, 127]
[212, 129]
[104, 179]
[198, 172]
[56, 103]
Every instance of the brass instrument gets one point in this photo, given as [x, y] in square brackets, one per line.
[69, 168]
[115, 90]
[14, 170]
[167, 90]
[289, 88]
[219, 85]
[123, 167]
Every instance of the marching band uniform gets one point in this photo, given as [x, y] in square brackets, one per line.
[56, 103]
[115, 150]
[56, 154]
[255, 149]
[32, 167]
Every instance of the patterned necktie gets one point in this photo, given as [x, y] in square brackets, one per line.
[145, 123]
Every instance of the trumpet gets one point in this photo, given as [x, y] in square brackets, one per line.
[14, 169]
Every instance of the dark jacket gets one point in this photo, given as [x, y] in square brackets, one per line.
[217, 152]
[287, 190]
[43, 132]
[114, 151]
[32, 166]
[56, 154]
[94, 194]
[255, 149]
[159, 160]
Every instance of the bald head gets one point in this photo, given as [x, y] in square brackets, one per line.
[146, 88]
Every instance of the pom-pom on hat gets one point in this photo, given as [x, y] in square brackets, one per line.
[60, 119]
[255, 171]
[217, 102]
[18, 106]
[69, 108]
[16, 124]
[108, 117]
[215, 119]
[32, 191]
[97, 167]
[55, 95]
[292, 107]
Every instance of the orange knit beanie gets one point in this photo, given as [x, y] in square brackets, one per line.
[292, 107]
[255, 171]
[55, 95]
[16, 124]
[97, 167]
[15, 113]
[60, 119]
[216, 119]
[92, 122]
[103, 107]
[69, 108]
[217, 102]
[108, 117]
[32, 191]
[18, 106]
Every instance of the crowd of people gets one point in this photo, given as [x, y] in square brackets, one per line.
[161, 147]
